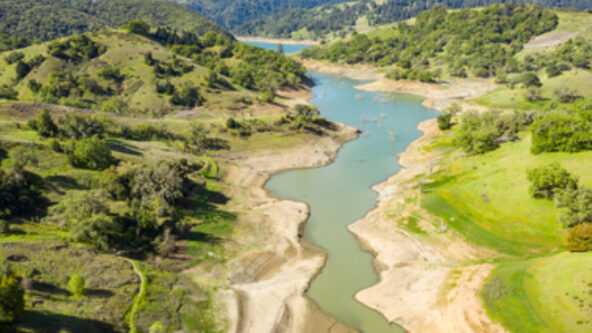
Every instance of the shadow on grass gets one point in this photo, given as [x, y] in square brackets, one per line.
[122, 147]
[62, 183]
[49, 288]
[34, 321]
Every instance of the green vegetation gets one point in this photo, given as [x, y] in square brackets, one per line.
[338, 20]
[76, 286]
[580, 238]
[12, 302]
[459, 42]
[149, 72]
[232, 13]
[50, 19]
[550, 294]
[547, 180]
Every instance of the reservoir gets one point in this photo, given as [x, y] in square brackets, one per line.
[340, 193]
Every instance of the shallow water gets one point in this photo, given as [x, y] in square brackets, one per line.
[340, 193]
[288, 48]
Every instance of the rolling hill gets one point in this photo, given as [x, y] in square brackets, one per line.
[145, 72]
[50, 19]
[336, 20]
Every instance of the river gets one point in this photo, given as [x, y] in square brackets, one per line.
[340, 193]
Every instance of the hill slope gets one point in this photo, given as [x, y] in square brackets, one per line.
[124, 72]
[49, 19]
[232, 13]
[334, 20]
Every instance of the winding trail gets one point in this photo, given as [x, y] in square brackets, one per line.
[138, 297]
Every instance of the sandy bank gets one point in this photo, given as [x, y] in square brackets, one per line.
[437, 96]
[356, 72]
[423, 284]
[277, 40]
[268, 282]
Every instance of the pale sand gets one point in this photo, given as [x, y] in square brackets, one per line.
[268, 283]
[417, 272]
[278, 40]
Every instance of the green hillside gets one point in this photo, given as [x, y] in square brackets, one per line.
[132, 73]
[49, 19]
[232, 13]
[329, 21]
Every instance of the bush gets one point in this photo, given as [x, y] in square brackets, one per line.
[12, 299]
[560, 131]
[139, 27]
[91, 153]
[34, 86]
[45, 125]
[55, 145]
[78, 126]
[14, 57]
[530, 80]
[576, 204]
[268, 96]
[110, 73]
[76, 286]
[545, 181]
[579, 238]
[232, 124]
[187, 96]
[444, 121]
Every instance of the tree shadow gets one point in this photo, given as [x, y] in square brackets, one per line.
[62, 183]
[49, 288]
[35, 321]
[122, 147]
[99, 293]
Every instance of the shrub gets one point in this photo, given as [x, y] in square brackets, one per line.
[34, 86]
[110, 73]
[187, 96]
[530, 80]
[268, 96]
[76, 286]
[14, 57]
[7, 92]
[45, 125]
[566, 95]
[444, 121]
[576, 204]
[139, 27]
[78, 126]
[545, 181]
[232, 124]
[91, 153]
[580, 238]
[560, 131]
[100, 231]
[55, 145]
[12, 299]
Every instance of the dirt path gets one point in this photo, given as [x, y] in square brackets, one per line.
[138, 297]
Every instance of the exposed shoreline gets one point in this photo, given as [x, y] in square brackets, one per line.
[277, 40]
[268, 285]
[415, 273]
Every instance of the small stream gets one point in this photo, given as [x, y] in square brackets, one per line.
[340, 193]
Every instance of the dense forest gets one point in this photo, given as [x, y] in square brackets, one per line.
[466, 41]
[49, 19]
[317, 22]
[232, 13]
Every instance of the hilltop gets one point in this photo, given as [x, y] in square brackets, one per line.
[50, 19]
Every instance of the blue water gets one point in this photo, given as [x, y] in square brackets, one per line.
[339, 194]
[288, 48]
